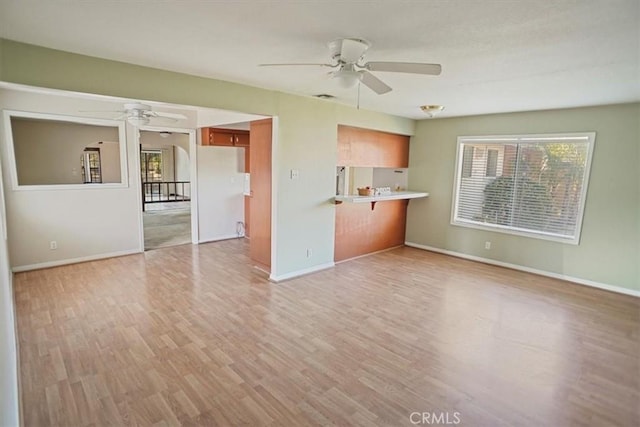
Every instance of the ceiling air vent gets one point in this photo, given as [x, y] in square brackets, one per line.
[324, 96]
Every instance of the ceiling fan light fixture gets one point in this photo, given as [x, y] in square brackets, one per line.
[348, 78]
[431, 110]
[348, 50]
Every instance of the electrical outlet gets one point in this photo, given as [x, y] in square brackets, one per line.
[309, 253]
[53, 245]
[295, 174]
[487, 245]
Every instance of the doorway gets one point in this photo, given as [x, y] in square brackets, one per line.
[166, 189]
[91, 166]
[235, 186]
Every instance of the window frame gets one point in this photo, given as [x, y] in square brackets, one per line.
[11, 157]
[589, 137]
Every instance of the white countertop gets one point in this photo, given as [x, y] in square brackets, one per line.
[394, 195]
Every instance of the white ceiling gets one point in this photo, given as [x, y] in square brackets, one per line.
[497, 56]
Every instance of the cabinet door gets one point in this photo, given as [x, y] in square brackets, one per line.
[221, 138]
[365, 149]
[357, 147]
[370, 148]
[241, 139]
[206, 136]
[393, 150]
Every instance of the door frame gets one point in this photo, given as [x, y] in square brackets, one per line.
[274, 195]
[193, 176]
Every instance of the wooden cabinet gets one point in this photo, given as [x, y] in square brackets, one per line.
[225, 137]
[370, 148]
[241, 139]
[360, 230]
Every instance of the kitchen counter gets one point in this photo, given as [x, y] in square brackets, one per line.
[394, 195]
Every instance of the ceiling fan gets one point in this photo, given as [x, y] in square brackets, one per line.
[348, 54]
[139, 114]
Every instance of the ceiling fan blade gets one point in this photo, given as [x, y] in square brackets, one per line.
[405, 67]
[173, 116]
[352, 50]
[297, 64]
[374, 83]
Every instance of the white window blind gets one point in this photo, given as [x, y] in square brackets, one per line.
[534, 185]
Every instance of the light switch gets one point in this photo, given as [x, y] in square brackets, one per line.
[295, 174]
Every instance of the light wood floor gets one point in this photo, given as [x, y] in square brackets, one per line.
[192, 335]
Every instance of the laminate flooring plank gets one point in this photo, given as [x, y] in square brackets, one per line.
[195, 336]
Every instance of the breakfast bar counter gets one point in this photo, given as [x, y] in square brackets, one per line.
[394, 195]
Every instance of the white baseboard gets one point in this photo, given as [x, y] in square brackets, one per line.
[572, 279]
[219, 238]
[302, 272]
[48, 264]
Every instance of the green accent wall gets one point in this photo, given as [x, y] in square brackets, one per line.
[307, 132]
[609, 249]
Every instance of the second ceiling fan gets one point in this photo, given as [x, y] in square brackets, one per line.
[348, 55]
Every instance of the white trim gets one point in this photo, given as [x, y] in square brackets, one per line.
[561, 136]
[219, 238]
[137, 183]
[571, 279]
[274, 194]
[193, 176]
[40, 265]
[299, 273]
[3, 212]
[13, 168]
[13, 378]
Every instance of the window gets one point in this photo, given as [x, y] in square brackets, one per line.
[532, 185]
[91, 166]
[151, 165]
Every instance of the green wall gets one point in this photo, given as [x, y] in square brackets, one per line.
[609, 250]
[307, 133]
